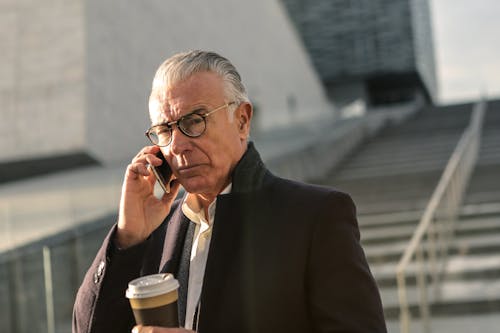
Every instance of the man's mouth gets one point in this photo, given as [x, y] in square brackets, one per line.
[188, 168]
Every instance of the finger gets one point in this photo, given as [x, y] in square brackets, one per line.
[138, 169]
[147, 159]
[151, 329]
[148, 150]
[153, 160]
[143, 329]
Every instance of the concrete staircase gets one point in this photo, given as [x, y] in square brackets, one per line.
[391, 180]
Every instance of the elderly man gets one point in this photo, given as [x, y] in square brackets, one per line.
[252, 252]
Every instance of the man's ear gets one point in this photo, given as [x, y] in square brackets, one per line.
[243, 117]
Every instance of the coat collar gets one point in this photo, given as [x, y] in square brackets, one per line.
[249, 174]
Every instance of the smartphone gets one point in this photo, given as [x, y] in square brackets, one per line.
[163, 173]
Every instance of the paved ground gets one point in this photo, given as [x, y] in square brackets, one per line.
[466, 324]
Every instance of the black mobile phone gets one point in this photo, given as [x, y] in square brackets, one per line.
[163, 173]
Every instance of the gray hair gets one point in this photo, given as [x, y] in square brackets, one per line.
[182, 65]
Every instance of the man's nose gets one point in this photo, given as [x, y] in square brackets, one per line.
[179, 141]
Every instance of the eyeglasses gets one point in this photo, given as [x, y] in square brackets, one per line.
[192, 125]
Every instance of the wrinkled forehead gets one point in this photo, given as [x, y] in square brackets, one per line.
[157, 113]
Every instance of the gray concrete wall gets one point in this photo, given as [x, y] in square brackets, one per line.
[75, 75]
[42, 105]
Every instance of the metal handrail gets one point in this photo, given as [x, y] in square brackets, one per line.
[432, 238]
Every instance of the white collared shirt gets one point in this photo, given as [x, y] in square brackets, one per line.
[199, 252]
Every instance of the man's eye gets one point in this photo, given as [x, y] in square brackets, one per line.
[199, 111]
[162, 130]
[194, 119]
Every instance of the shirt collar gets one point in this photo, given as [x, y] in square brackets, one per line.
[193, 210]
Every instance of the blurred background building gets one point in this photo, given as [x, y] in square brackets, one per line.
[378, 51]
[345, 95]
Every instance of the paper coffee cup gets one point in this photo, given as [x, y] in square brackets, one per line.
[153, 299]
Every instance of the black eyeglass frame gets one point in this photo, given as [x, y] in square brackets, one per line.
[170, 124]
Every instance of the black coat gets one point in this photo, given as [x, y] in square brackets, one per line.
[284, 257]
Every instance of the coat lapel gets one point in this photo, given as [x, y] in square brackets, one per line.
[174, 242]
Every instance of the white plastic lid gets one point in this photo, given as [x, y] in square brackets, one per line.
[151, 285]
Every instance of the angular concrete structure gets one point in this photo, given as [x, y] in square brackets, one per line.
[378, 50]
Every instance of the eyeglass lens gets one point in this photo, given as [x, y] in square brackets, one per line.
[192, 125]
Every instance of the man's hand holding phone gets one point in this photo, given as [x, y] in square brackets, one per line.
[141, 212]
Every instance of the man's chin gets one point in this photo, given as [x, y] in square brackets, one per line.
[195, 186]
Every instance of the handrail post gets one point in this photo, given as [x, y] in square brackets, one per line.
[404, 313]
[49, 290]
[432, 255]
[422, 286]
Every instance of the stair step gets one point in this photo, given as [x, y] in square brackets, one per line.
[483, 196]
[380, 253]
[386, 219]
[478, 225]
[399, 170]
[395, 232]
[455, 297]
[485, 208]
[464, 323]
[403, 152]
[402, 149]
[393, 206]
[458, 267]
[388, 234]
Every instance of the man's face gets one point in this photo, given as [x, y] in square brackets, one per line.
[203, 164]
